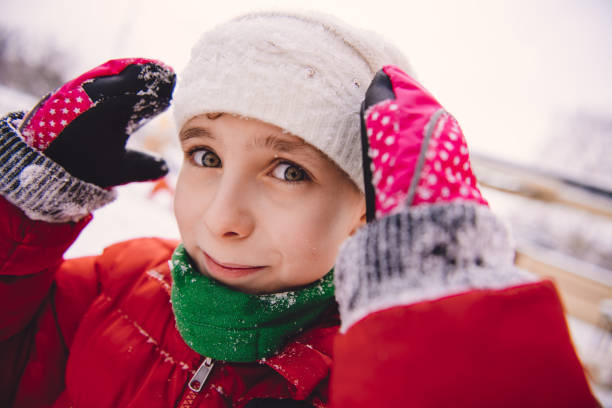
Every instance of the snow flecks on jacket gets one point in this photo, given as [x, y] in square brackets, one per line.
[220, 390]
[167, 357]
[160, 278]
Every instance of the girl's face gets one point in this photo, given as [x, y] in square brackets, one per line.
[259, 209]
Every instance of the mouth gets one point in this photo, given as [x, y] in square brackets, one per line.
[228, 270]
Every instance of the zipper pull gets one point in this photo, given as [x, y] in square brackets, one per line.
[199, 378]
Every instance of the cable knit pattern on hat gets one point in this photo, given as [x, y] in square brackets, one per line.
[305, 73]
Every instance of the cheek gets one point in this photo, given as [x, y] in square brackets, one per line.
[312, 237]
[187, 202]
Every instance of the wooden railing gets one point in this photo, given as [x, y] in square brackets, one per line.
[582, 286]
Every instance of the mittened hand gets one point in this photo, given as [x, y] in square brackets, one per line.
[84, 125]
[414, 151]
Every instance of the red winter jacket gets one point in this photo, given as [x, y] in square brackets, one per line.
[447, 323]
[99, 331]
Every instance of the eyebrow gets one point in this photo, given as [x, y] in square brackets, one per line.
[194, 133]
[271, 142]
[275, 143]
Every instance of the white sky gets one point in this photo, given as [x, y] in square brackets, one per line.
[505, 69]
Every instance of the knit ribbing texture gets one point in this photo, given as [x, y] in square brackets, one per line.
[225, 324]
[423, 253]
[37, 185]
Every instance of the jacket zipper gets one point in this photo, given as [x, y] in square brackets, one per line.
[199, 378]
[196, 383]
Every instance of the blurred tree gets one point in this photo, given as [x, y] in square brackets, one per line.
[32, 66]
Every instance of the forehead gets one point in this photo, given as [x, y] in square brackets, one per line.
[252, 133]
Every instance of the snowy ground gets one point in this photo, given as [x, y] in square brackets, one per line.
[557, 227]
[12, 100]
[594, 346]
[136, 213]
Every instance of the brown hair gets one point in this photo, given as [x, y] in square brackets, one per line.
[214, 115]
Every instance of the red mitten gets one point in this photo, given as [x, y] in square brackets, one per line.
[416, 150]
[428, 286]
[84, 125]
[57, 163]
[429, 233]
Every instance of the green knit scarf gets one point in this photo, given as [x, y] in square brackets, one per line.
[229, 325]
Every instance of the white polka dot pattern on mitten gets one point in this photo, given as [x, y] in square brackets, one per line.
[57, 112]
[391, 179]
[446, 174]
[396, 139]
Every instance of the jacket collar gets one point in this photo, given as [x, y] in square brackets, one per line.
[307, 360]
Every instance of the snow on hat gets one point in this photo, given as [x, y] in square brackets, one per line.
[305, 73]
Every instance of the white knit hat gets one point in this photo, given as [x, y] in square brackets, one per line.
[305, 73]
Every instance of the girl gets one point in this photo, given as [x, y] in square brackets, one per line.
[287, 196]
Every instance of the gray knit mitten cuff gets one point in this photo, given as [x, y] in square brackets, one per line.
[423, 253]
[41, 188]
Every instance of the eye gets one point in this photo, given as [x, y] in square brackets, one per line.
[289, 172]
[206, 158]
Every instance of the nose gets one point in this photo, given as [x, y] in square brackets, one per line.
[228, 214]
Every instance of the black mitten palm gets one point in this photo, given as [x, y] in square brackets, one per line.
[85, 124]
